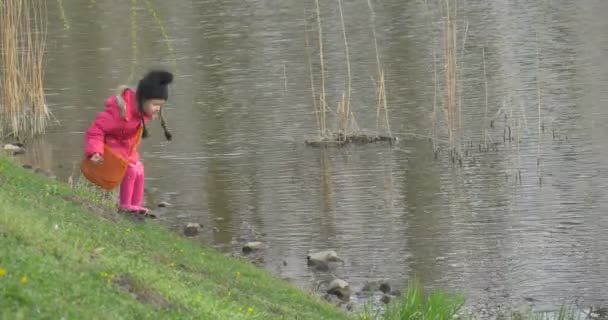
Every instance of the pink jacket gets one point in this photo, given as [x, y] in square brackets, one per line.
[116, 126]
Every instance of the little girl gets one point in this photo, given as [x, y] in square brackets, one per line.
[117, 127]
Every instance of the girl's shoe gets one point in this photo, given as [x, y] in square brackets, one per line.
[145, 212]
[131, 213]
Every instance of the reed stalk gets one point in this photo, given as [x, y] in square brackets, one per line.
[540, 139]
[66, 23]
[461, 98]
[322, 102]
[435, 90]
[312, 80]
[450, 74]
[134, 48]
[345, 104]
[164, 34]
[11, 97]
[485, 114]
[347, 55]
[346, 124]
[380, 88]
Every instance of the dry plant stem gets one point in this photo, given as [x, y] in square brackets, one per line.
[384, 104]
[540, 141]
[485, 114]
[284, 78]
[66, 24]
[435, 89]
[454, 73]
[163, 31]
[34, 67]
[134, 51]
[347, 56]
[518, 150]
[380, 89]
[345, 100]
[373, 23]
[461, 75]
[322, 103]
[343, 116]
[10, 89]
[312, 81]
[450, 34]
[539, 105]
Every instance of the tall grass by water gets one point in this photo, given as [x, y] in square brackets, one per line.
[346, 127]
[418, 304]
[23, 110]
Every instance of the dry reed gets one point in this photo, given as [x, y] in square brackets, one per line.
[434, 113]
[344, 107]
[22, 104]
[485, 114]
[450, 73]
[347, 129]
[134, 36]
[134, 48]
[312, 80]
[284, 78]
[322, 102]
[540, 140]
[66, 23]
[380, 88]
[163, 31]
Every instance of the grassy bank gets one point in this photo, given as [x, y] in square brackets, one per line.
[60, 257]
[64, 256]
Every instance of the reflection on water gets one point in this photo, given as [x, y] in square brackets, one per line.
[522, 223]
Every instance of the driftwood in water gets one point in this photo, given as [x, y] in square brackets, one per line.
[341, 140]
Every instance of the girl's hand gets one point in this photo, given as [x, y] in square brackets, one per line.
[96, 158]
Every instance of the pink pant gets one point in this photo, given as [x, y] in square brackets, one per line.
[132, 187]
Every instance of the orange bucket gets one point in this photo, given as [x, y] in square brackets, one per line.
[109, 174]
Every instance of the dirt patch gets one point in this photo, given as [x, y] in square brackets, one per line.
[141, 293]
[93, 209]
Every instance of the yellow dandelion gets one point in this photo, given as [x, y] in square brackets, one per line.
[104, 274]
[24, 279]
[181, 250]
[172, 264]
[238, 274]
[2, 272]
[250, 310]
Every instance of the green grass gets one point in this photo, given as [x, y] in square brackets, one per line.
[65, 254]
[416, 305]
[61, 257]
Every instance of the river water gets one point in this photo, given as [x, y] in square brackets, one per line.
[521, 223]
